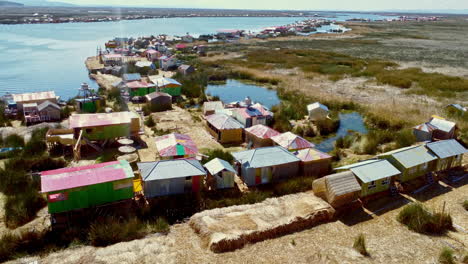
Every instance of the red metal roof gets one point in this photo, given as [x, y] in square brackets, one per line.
[262, 131]
[291, 141]
[68, 178]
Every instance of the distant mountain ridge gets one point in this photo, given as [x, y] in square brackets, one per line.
[9, 3]
[42, 3]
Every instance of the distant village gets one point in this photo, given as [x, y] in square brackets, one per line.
[145, 73]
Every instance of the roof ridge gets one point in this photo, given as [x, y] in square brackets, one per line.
[188, 161]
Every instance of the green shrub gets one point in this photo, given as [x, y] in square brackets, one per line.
[8, 244]
[150, 122]
[446, 256]
[327, 126]
[465, 205]
[418, 219]
[360, 245]
[293, 185]
[159, 226]
[110, 231]
[14, 141]
[22, 207]
[405, 138]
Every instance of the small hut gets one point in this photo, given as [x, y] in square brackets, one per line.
[291, 141]
[210, 108]
[444, 129]
[221, 173]
[69, 189]
[167, 85]
[337, 189]
[168, 177]
[260, 136]
[266, 165]
[174, 146]
[449, 152]
[413, 161]
[49, 111]
[317, 111]
[314, 163]
[158, 102]
[423, 132]
[224, 128]
[186, 69]
[374, 176]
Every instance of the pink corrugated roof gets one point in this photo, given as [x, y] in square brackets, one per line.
[262, 131]
[181, 46]
[311, 154]
[101, 119]
[112, 56]
[68, 178]
[291, 141]
[34, 96]
[138, 84]
[167, 145]
[262, 109]
[151, 51]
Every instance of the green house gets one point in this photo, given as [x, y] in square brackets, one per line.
[70, 189]
[413, 162]
[167, 85]
[374, 176]
[102, 126]
[449, 152]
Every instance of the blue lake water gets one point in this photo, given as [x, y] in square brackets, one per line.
[235, 90]
[350, 121]
[45, 57]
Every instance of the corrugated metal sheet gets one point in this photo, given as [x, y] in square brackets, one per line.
[414, 156]
[426, 127]
[154, 95]
[249, 112]
[129, 77]
[222, 121]
[170, 169]
[311, 154]
[217, 165]
[38, 96]
[163, 81]
[342, 183]
[265, 157]
[46, 104]
[347, 167]
[138, 84]
[176, 145]
[379, 169]
[264, 110]
[291, 141]
[101, 119]
[317, 105]
[442, 124]
[212, 106]
[446, 148]
[262, 131]
[68, 178]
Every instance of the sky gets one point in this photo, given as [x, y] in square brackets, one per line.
[350, 5]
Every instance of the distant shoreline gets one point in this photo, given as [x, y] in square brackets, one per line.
[61, 15]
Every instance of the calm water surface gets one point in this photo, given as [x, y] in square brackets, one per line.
[45, 57]
[234, 91]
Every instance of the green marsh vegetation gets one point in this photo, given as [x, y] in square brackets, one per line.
[419, 219]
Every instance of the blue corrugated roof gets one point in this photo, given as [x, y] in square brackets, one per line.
[446, 148]
[347, 167]
[131, 77]
[216, 165]
[265, 157]
[376, 170]
[415, 156]
[169, 169]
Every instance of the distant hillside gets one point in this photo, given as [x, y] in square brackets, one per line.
[8, 3]
[42, 3]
